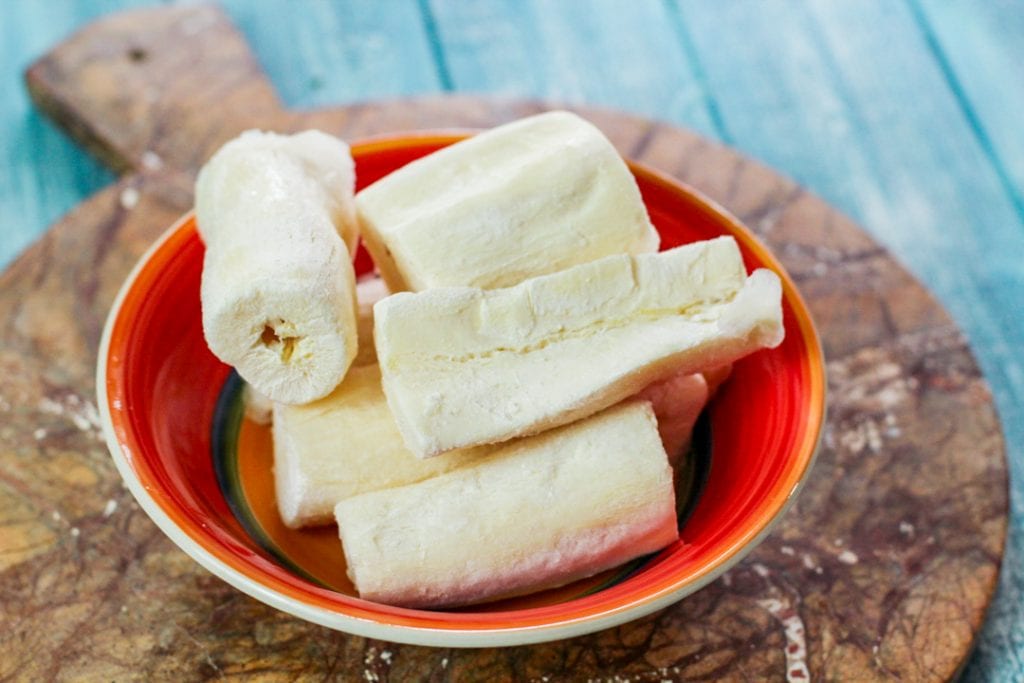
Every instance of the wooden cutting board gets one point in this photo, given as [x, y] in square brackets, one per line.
[883, 569]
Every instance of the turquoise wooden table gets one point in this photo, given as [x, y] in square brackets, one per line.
[904, 114]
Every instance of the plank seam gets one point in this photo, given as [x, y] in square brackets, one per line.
[436, 50]
[686, 42]
[964, 104]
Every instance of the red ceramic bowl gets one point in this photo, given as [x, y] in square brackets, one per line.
[161, 395]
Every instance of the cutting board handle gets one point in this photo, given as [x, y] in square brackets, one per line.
[154, 88]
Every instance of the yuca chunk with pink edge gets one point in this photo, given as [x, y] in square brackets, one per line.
[539, 513]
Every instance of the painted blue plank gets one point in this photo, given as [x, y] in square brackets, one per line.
[778, 96]
[622, 55]
[852, 104]
[324, 53]
[981, 47]
[42, 174]
[853, 100]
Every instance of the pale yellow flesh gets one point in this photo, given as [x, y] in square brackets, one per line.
[537, 513]
[343, 445]
[532, 197]
[464, 366]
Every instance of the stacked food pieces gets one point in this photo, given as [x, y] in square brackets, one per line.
[506, 420]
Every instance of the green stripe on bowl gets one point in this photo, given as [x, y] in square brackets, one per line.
[227, 423]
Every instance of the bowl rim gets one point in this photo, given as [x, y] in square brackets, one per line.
[456, 634]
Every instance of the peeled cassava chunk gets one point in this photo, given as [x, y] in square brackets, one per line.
[464, 366]
[536, 513]
[531, 197]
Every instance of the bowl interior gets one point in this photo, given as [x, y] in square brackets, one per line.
[163, 386]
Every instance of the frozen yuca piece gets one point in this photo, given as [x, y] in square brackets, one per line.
[537, 513]
[678, 401]
[347, 443]
[464, 366]
[343, 445]
[531, 197]
[278, 303]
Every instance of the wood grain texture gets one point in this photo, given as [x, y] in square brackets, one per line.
[887, 561]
